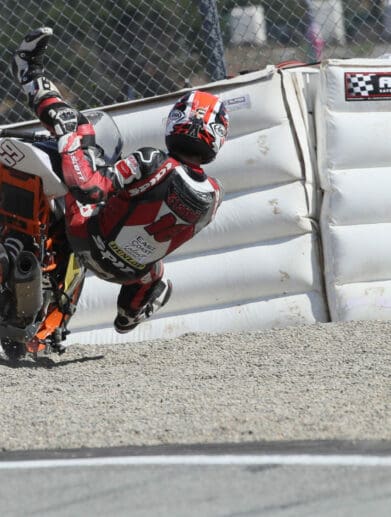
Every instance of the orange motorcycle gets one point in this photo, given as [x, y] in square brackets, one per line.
[46, 280]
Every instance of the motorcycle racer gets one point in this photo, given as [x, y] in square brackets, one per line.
[124, 219]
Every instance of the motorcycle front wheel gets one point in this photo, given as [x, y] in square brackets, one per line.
[14, 350]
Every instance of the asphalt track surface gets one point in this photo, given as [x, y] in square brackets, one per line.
[251, 479]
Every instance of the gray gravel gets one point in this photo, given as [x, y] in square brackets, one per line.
[323, 381]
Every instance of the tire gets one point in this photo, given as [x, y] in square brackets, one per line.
[13, 349]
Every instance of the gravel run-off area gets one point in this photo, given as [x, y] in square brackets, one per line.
[313, 382]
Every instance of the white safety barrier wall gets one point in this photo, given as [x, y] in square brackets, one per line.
[258, 264]
[354, 152]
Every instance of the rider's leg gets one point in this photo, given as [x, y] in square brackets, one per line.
[141, 298]
[43, 96]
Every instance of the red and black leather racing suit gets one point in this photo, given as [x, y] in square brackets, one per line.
[123, 220]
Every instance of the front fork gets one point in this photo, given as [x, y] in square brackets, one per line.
[53, 330]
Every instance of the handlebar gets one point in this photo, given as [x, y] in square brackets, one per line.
[29, 136]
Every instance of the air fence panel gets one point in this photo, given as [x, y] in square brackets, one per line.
[355, 217]
[105, 51]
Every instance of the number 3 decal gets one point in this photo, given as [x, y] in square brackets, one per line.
[10, 155]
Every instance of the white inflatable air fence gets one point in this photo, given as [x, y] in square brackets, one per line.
[354, 156]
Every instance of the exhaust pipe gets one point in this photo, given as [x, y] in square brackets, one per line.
[26, 282]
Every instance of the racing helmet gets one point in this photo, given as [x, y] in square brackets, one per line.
[197, 125]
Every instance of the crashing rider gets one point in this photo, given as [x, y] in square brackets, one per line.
[122, 220]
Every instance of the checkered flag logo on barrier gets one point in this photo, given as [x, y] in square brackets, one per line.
[360, 85]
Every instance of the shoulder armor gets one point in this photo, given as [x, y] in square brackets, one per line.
[149, 159]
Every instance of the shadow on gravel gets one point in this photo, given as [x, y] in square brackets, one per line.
[45, 362]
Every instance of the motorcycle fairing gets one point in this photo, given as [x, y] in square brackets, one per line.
[28, 158]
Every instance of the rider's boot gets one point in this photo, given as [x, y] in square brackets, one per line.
[43, 96]
[127, 321]
[28, 70]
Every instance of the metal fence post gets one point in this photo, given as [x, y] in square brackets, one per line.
[214, 42]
